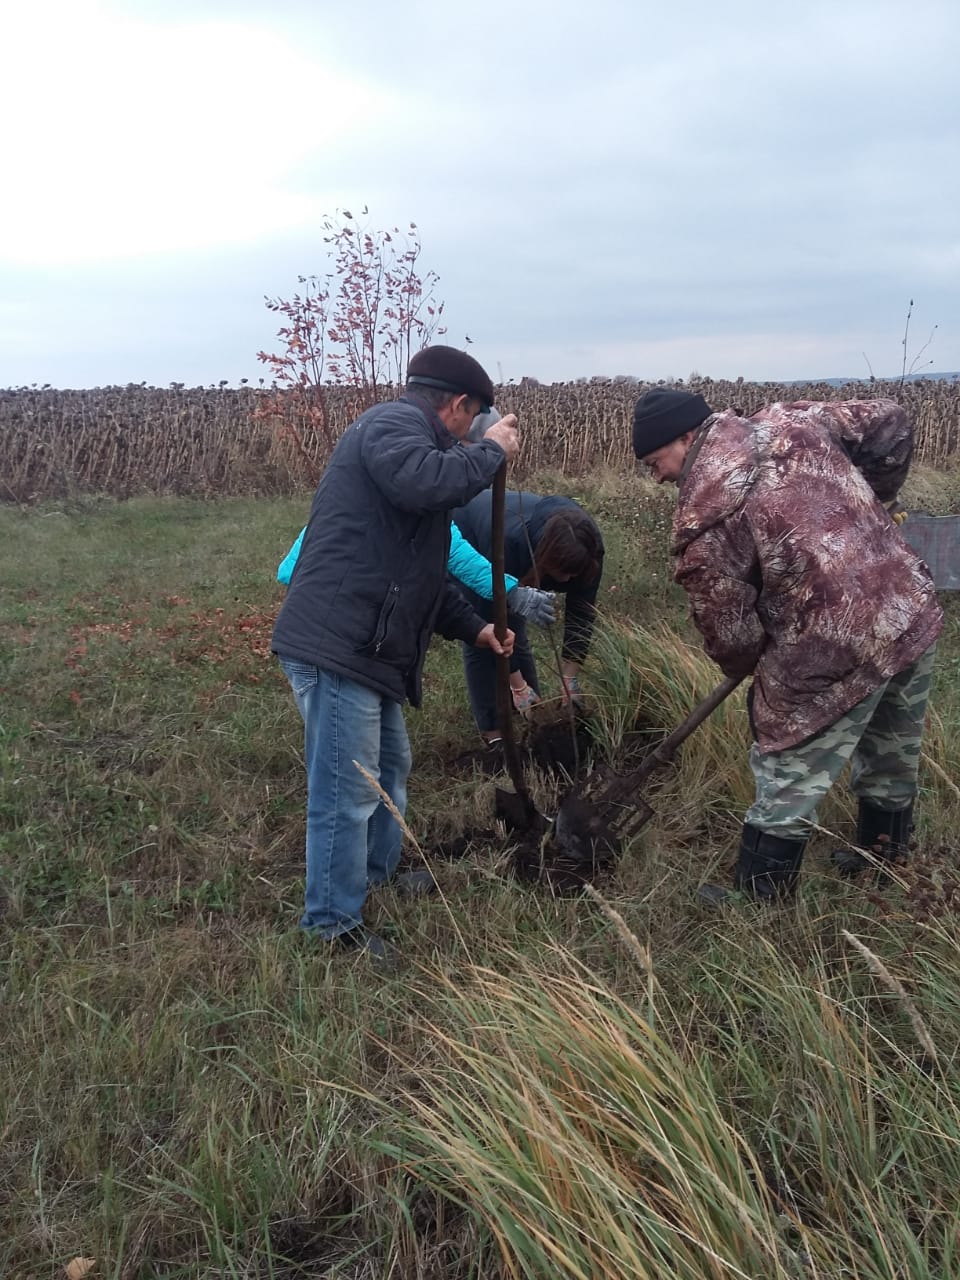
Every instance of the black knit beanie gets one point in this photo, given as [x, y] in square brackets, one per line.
[450, 370]
[661, 416]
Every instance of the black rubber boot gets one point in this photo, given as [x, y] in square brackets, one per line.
[418, 883]
[885, 832]
[766, 869]
[360, 939]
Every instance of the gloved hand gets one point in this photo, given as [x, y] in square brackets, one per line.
[571, 691]
[897, 513]
[524, 698]
[530, 602]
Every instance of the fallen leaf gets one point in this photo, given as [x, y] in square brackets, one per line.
[79, 1267]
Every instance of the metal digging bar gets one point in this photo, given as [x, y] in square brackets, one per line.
[515, 808]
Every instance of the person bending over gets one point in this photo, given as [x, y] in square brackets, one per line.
[552, 544]
[796, 573]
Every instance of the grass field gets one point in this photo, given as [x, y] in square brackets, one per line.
[601, 1086]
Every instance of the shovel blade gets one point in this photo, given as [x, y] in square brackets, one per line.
[582, 834]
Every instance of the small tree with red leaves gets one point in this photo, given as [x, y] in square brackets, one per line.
[356, 326]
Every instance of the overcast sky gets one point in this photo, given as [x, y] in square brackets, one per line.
[745, 188]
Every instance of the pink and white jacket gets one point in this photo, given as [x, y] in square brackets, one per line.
[792, 564]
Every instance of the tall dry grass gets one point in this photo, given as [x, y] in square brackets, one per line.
[785, 1120]
[645, 679]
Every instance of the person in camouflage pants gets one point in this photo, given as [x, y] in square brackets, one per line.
[881, 736]
[796, 572]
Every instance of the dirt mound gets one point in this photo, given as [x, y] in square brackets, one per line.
[564, 853]
[555, 748]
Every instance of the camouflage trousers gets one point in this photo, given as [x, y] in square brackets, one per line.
[880, 737]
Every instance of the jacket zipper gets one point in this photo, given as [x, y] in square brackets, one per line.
[385, 621]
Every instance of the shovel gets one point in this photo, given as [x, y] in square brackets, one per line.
[583, 830]
[622, 791]
[588, 833]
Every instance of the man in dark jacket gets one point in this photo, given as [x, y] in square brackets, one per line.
[796, 573]
[369, 589]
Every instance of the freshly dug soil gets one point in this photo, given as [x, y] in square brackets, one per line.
[566, 852]
[581, 841]
[554, 748]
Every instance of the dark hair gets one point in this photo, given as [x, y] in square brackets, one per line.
[569, 547]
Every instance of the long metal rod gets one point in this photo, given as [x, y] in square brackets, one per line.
[511, 752]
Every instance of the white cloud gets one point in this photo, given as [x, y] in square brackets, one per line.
[747, 188]
[138, 137]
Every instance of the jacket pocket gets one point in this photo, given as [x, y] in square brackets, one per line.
[419, 534]
[373, 647]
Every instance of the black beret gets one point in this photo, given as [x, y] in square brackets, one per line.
[450, 370]
[661, 416]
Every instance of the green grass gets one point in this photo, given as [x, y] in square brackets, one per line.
[550, 1087]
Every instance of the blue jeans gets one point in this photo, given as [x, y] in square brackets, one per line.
[352, 838]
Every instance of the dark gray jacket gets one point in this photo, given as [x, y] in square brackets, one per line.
[370, 585]
[525, 516]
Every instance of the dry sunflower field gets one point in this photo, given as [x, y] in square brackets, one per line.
[215, 441]
[601, 1085]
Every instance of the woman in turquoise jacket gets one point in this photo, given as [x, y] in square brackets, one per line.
[475, 572]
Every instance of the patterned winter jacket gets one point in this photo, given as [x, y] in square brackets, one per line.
[792, 565]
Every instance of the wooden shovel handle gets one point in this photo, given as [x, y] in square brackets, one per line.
[621, 789]
[498, 521]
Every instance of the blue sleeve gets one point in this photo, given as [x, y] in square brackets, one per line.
[285, 572]
[468, 566]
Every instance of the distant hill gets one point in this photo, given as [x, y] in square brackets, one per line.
[911, 377]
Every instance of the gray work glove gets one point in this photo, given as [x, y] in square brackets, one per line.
[533, 604]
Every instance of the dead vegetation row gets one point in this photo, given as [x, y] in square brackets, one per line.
[218, 441]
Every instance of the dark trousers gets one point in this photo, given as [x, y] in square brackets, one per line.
[480, 665]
